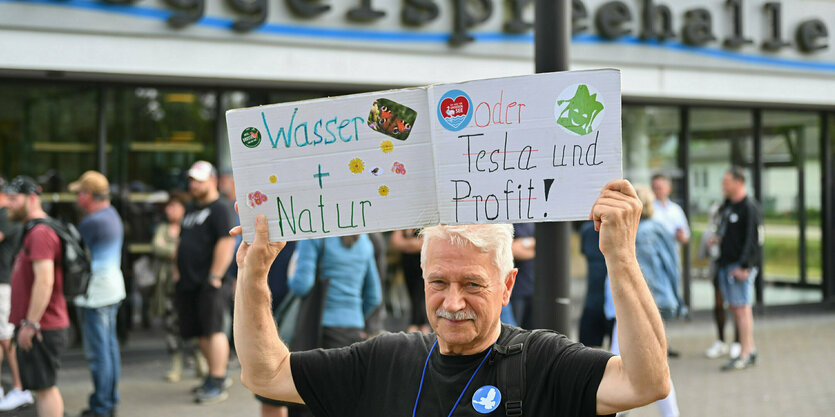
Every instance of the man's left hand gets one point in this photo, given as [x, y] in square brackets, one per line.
[24, 337]
[616, 214]
[741, 274]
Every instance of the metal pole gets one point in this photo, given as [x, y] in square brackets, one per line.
[827, 208]
[759, 282]
[101, 139]
[552, 288]
[684, 163]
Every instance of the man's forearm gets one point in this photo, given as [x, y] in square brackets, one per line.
[641, 338]
[44, 272]
[222, 256]
[262, 354]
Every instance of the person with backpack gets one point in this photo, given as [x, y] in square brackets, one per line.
[39, 309]
[10, 236]
[472, 364]
[102, 231]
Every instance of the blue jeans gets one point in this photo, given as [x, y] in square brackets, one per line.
[101, 348]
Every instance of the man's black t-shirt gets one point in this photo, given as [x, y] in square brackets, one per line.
[739, 228]
[381, 377]
[202, 226]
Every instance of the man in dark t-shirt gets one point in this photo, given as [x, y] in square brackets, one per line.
[524, 251]
[203, 256]
[39, 310]
[739, 256]
[468, 275]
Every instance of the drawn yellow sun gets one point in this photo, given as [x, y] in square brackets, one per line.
[273, 179]
[356, 165]
[386, 146]
[383, 190]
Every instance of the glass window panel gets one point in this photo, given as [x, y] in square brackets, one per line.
[719, 139]
[49, 133]
[650, 143]
[791, 159]
[154, 135]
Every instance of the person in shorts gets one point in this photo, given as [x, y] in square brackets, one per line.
[38, 307]
[10, 234]
[740, 249]
[203, 257]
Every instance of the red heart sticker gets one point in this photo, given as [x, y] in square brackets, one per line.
[455, 108]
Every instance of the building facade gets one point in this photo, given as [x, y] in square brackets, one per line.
[138, 90]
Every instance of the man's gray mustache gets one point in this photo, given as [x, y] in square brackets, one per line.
[458, 315]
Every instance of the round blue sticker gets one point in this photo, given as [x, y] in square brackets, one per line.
[486, 399]
[455, 110]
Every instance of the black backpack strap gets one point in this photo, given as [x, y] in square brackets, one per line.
[511, 372]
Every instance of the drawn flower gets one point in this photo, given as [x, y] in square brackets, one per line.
[273, 179]
[398, 168]
[356, 165]
[386, 146]
[383, 190]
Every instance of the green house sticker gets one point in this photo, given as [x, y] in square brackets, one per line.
[579, 109]
[251, 137]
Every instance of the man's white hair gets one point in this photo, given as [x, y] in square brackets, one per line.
[487, 238]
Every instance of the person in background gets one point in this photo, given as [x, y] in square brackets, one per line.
[203, 257]
[408, 243]
[739, 256]
[524, 250]
[226, 188]
[669, 215]
[102, 231]
[10, 237]
[375, 323]
[709, 251]
[164, 249]
[594, 325]
[354, 291]
[39, 310]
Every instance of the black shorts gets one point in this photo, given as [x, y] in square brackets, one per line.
[201, 312]
[39, 366]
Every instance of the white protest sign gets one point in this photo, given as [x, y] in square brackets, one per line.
[522, 149]
[519, 149]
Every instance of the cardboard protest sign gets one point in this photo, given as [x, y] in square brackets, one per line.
[532, 148]
[519, 149]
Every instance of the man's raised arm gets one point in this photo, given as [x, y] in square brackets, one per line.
[265, 360]
[640, 375]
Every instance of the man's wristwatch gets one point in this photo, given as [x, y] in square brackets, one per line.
[213, 277]
[32, 324]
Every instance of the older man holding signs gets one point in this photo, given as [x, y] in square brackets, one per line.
[457, 371]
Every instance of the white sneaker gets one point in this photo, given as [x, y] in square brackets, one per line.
[716, 350]
[736, 350]
[15, 399]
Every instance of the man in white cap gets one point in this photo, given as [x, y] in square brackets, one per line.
[204, 255]
[103, 232]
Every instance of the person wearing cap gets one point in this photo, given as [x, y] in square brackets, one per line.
[203, 257]
[39, 310]
[10, 234]
[102, 231]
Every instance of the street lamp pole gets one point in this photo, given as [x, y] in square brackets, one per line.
[552, 289]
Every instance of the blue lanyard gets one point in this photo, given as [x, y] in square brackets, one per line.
[414, 412]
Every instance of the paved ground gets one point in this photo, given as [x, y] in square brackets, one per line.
[794, 377]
